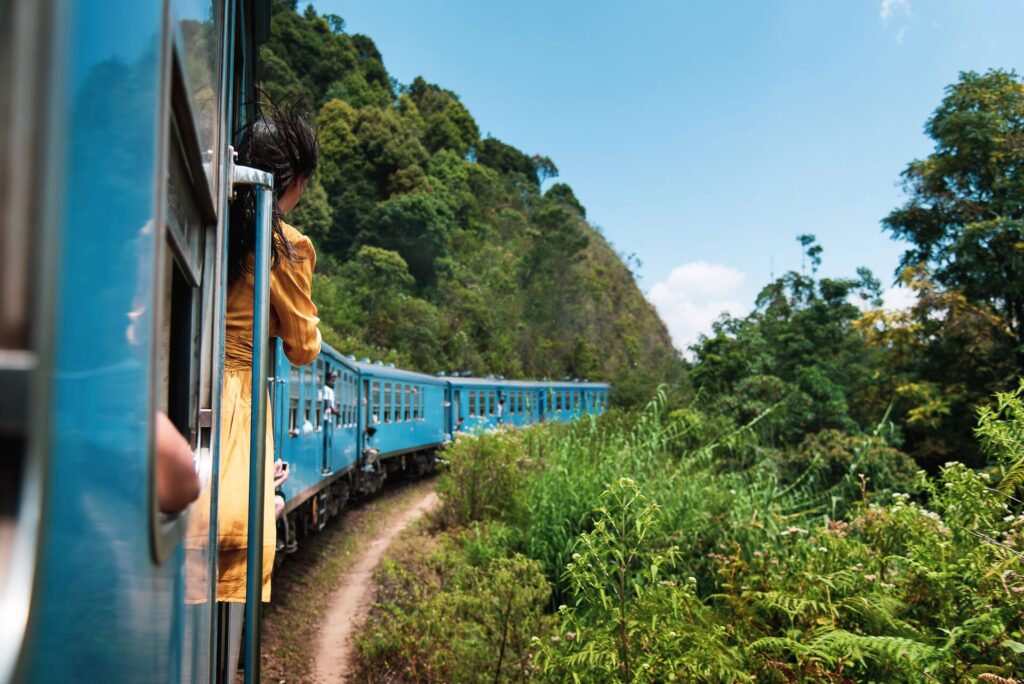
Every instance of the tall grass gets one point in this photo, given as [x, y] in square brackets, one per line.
[677, 545]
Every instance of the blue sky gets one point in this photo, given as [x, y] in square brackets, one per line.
[703, 137]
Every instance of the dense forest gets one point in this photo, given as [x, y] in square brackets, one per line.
[438, 248]
[829, 491]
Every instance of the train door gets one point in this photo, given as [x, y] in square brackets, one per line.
[449, 410]
[457, 401]
[328, 403]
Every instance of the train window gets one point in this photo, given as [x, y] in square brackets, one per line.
[386, 404]
[423, 404]
[319, 409]
[407, 405]
[457, 400]
[346, 407]
[353, 401]
[200, 46]
[490, 403]
[472, 403]
[184, 298]
[308, 392]
[293, 399]
[340, 397]
[375, 403]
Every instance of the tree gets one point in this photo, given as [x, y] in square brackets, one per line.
[965, 213]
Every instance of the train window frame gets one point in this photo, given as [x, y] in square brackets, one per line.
[386, 402]
[399, 402]
[353, 399]
[319, 377]
[294, 383]
[375, 404]
[471, 400]
[308, 394]
[186, 220]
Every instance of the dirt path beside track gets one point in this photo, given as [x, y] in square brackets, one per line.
[350, 603]
[306, 591]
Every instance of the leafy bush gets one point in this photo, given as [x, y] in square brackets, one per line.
[710, 557]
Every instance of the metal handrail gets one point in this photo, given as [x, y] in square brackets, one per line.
[264, 185]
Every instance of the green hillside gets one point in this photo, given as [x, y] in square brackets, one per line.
[438, 249]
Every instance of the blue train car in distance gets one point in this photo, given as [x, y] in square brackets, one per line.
[485, 403]
[389, 422]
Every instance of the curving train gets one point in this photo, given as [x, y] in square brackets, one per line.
[117, 121]
[389, 421]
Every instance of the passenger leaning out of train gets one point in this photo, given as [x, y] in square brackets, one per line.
[281, 142]
[330, 406]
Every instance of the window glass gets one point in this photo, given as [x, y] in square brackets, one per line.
[200, 24]
[293, 397]
[387, 402]
[375, 403]
[319, 409]
[307, 394]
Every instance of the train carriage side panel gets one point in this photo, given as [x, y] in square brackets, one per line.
[406, 410]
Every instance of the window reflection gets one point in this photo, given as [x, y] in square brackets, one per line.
[201, 26]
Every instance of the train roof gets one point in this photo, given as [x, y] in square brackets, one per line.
[381, 370]
[523, 384]
[377, 368]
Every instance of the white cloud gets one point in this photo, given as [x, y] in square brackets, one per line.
[899, 297]
[891, 7]
[894, 15]
[693, 296]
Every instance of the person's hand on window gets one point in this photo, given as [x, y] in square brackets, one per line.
[177, 484]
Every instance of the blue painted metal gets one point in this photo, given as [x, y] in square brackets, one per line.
[330, 449]
[395, 432]
[257, 435]
[102, 608]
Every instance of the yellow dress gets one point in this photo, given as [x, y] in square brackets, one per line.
[293, 318]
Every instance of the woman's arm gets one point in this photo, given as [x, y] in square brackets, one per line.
[177, 484]
[291, 285]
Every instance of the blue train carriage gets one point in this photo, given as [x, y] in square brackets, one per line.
[478, 403]
[567, 400]
[115, 122]
[404, 419]
[320, 448]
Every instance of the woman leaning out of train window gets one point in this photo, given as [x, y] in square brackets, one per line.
[281, 142]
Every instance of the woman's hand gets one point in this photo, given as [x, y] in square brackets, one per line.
[177, 484]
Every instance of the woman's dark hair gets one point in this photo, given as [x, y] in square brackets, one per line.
[280, 141]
